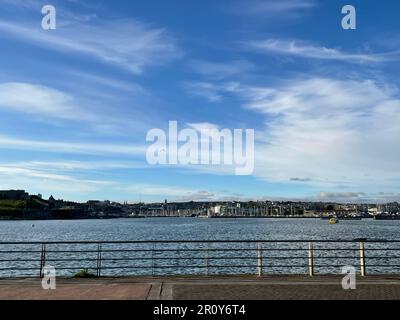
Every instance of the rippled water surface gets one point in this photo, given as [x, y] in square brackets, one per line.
[170, 258]
[196, 228]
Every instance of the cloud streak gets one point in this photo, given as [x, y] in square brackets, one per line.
[211, 91]
[357, 197]
[302, 49]
[40, 100]
[325, 132]
[281, 9]
[13, 171]
[283, 6]
[221, 70]
[179, 193]
[330, 131]
[128, 44]
[71, 147]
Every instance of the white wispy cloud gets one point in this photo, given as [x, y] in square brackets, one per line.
[100, 116]
[285, 5]
[76, 180]
[213, 92]
[71, 147]
[70, 188]
[221, 70]
[338, 197]
[24, 4]
[128, 44]
[196, 196]
[107, 81]
[38, 178]
[18, 171]
[325, 132]
[328, 132]
[312, 51]
[204, 89]
[200, 126]
[83, 10]
[281, 9]
[72, 165]
[40, 100]
[178, 193]
[357, 197]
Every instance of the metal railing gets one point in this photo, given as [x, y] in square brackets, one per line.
[196, 257]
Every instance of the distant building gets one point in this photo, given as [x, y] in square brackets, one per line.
[216, 210]
[39, 201]
[373, 211]
[13, 195]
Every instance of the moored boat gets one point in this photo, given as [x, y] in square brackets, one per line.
[333, 220]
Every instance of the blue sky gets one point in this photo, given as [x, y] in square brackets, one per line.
[76, 102]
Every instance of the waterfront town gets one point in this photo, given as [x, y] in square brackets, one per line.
[18, 204]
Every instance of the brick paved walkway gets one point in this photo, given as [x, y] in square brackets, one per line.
[210, 288]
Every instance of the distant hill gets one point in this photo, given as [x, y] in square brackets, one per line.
[13, 204]
[32, 203]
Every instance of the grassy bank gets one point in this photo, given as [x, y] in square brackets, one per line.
[13, 204]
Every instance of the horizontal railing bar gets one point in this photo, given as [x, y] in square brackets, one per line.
[219, 266]
[194, 267]
[147, 250]
[210, 258]
[196, 241]
[135, 259]
[315, 257]
[188, 249]
[335, 249]
[227, 249]
[170, 258]
[16, 269]
[183, 250]
[151, 250]
[160, 267]
[131, 267]
[17, 251]
[188, 258]
[194, 250]
[377, 257]
[185, 267]
[61, 268]
[210, 249]
[31, 276]
[381, 249]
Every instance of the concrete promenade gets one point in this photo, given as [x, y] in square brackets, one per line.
[204, 288]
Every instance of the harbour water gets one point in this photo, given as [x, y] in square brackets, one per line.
[184, 229]
[196, 229]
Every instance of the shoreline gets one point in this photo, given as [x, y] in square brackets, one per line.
[198, 217]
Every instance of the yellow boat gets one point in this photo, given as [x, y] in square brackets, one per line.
[333, 220]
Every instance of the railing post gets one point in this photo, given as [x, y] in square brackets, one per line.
[207, 261]
[310, 259]
[99, 260]
[362, 259]
[42, 260]
[260, 259]
[152, 260]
